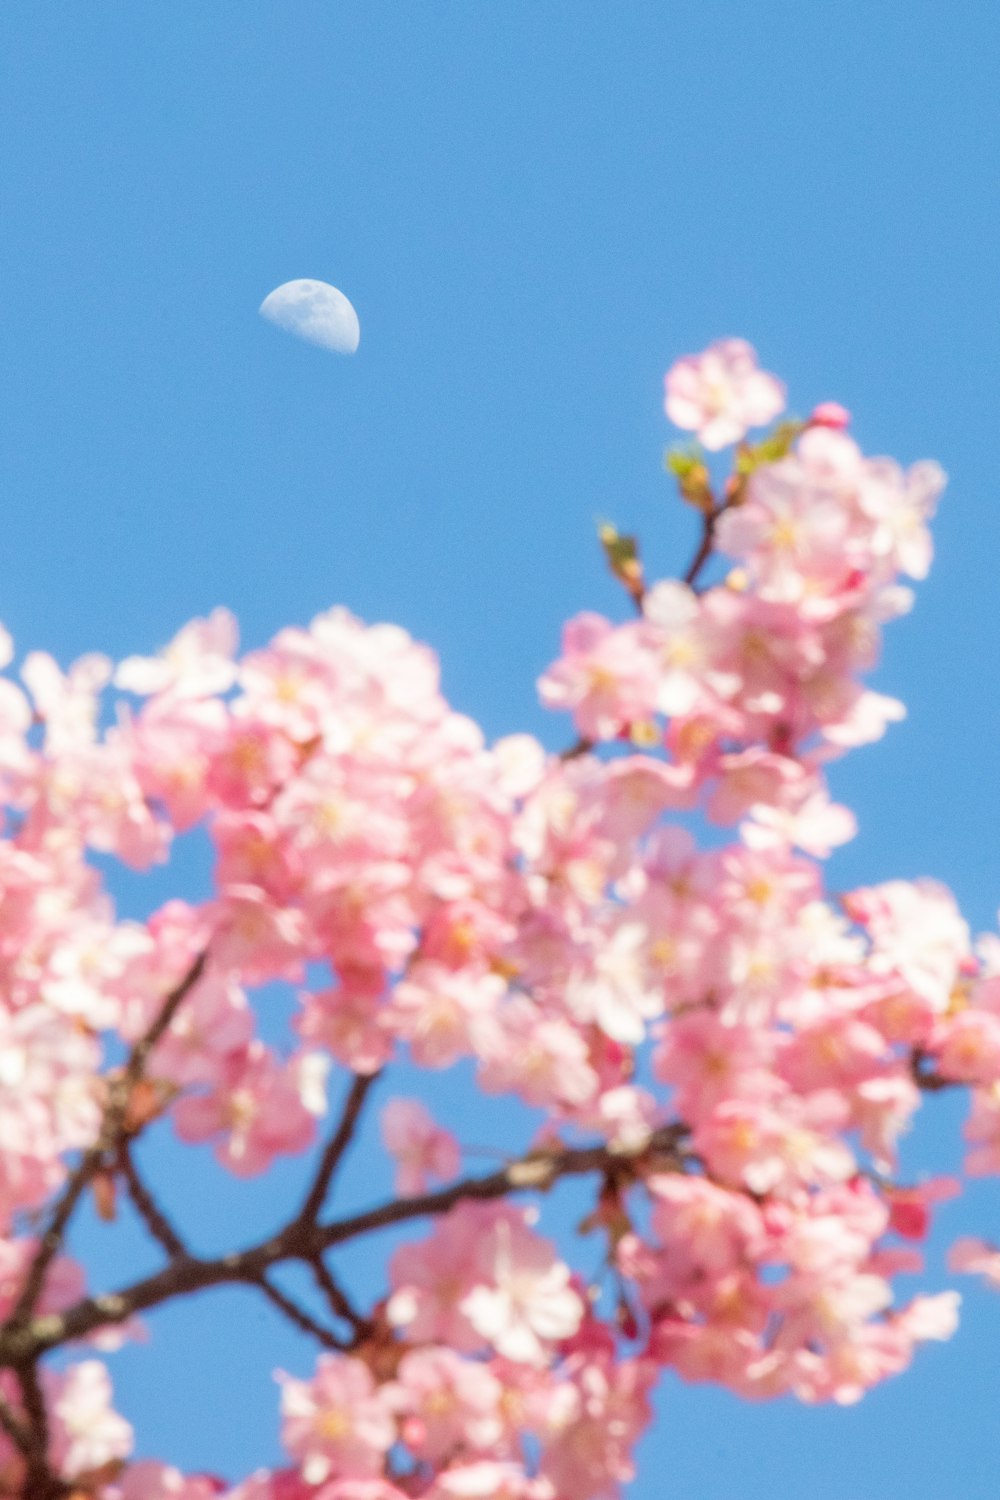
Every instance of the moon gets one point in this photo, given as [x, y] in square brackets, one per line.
[314, 311]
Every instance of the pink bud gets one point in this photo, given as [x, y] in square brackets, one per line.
[830, 414]
[909, 1214]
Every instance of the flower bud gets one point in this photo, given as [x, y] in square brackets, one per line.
[830, 414]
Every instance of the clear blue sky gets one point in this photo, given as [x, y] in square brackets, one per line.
[534, 207]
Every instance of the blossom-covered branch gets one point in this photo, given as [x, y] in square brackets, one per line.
[724, 1050]
[307, 1241]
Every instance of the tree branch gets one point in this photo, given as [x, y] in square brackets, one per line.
[925, 1076]
[146, 1206]
[41, 1483]
[336, 1147]
[704, 552]
[297, 1315]
[306, 1241]
[536, 1172]
[14, 1427]
[336, 1297]
[120, 1090]
[582, 746]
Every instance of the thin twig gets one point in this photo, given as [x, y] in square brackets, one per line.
[926, 1078]
[337, 1145]
[583, 746]
[114, 1116]
[298, 1315]
[705, 545]
[148, 1209]
[538, 1172]
[337, 1297]
[144, 1046]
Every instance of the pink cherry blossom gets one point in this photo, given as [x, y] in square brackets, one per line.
[525, 1299]
[966, 1046]
[420, 1148]
[719, 1049]
[704, 1228]
[259, 1107]
[982, 1131]
[431, 1279]
[977, 1258]
[443, 1014]
[150, 1480]
[197, 663]
[87, 1433]
[613, 990]
[682, 641]
[336, 1425]
[448, 1404]
[917, 933]
[485, 1277]
[589, 1454]
[602, 677]
[721, 393]
[489, 1479]
[543, 1058]
[779, 1150]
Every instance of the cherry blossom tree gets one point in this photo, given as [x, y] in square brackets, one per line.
[722, 1051]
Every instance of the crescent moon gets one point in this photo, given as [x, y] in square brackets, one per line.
[316, 312]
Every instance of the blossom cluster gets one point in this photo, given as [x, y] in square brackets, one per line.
[739, 1049]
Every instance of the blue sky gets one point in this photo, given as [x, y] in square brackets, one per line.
[534, 207]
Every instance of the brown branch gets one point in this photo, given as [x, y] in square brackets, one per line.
[41, 1483]
[14, 1427]
[711, 510]
[298, 1315]
[172, 1003]
[306, 1241]
[336, 1297]
[337, 1145]
[146, 1206]
[926, 1078]
[119, 1093]
[705, 545]
[538, 1172]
